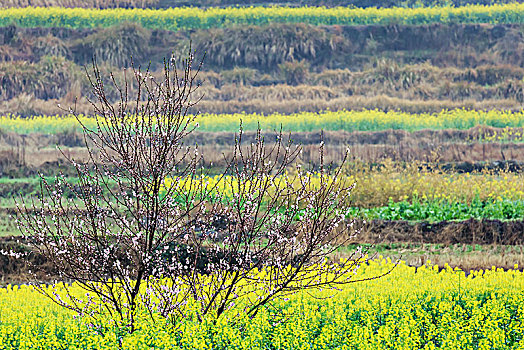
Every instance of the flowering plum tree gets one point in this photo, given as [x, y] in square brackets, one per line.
[140, 246]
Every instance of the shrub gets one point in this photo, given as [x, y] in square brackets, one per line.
[116, 46]
[295, 73]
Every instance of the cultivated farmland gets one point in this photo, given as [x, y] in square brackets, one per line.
[330, 177]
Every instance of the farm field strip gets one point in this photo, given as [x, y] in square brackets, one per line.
[430, 211]
[435, 211]
[194, 18]
[366, 120]
[387, 194]
[374, 188]
[390, 184]
[411, 308]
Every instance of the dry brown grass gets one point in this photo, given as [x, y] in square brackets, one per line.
[479, 258]
[387, 79]
[369, 147]
[29, 105]
[393, 67]
[383, 102]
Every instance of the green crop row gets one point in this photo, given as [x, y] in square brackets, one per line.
[194, 18]
[435, 211]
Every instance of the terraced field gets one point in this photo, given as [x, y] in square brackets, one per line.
[428, 99]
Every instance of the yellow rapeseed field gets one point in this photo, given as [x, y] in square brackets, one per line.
[366, 120]
[193, 18]
[411, 308]
[379, 187]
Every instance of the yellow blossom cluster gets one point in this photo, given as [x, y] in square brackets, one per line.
[411, 308]
[226, 186]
